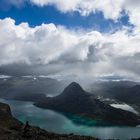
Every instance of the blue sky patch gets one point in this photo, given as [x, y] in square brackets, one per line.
[35, 15]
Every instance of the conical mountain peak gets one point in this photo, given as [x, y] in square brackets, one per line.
[73, 89]
[74, 86]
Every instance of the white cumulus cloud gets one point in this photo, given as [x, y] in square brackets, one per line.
[111, 9]
[51, 49]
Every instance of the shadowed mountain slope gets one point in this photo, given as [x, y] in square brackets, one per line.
[75, 100]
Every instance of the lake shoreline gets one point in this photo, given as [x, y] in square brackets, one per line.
[58, 123]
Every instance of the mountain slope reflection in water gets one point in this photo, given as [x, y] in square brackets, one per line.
[56, 122]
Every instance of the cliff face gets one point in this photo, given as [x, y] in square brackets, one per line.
[12, 129]
[6, 118]
[5, 110]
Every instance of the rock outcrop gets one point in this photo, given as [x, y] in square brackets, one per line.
[12, 129]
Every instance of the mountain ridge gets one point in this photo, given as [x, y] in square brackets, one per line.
[75, 100]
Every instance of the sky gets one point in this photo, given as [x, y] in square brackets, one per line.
[86, 39]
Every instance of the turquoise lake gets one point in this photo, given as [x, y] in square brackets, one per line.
[56, 122]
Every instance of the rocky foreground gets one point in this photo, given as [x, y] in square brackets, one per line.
[12, 129]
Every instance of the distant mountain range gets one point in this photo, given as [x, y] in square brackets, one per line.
[75, 100]
[32, 88]
[124, 91]
[29, 88]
